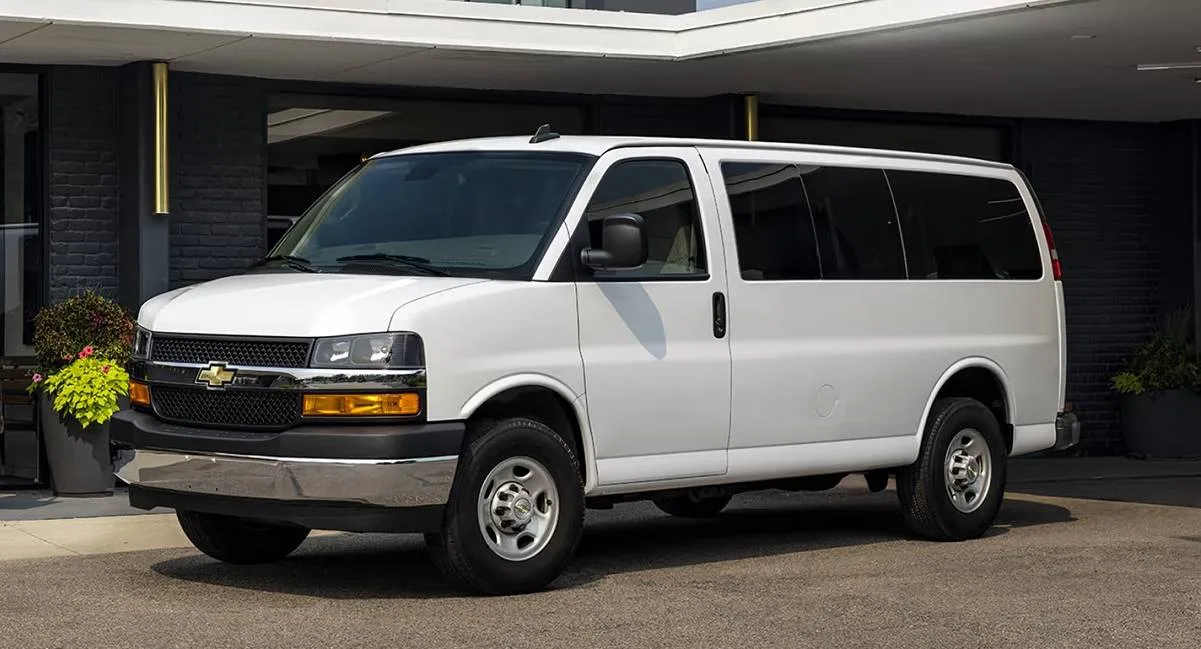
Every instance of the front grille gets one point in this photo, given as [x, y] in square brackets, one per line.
[233, 408]
[266, 353]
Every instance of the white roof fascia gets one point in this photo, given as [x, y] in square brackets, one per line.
[514, 29]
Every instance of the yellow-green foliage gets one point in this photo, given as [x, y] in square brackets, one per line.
[87, 389]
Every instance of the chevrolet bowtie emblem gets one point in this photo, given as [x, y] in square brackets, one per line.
[215, 375]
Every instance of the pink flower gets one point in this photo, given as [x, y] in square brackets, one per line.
[87, 351]
[37, 378]
[104, 369]
[67, 357]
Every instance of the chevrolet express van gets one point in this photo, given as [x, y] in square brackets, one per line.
[479, 340]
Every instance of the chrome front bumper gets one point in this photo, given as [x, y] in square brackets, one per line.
[417, 482]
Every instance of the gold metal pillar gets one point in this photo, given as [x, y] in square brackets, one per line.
[751, 109]
[162, 203]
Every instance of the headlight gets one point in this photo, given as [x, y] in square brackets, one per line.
[370, 351]
[141, 343]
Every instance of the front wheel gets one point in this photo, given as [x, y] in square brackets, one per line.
[516, 511]
[237, 540]
[954, 490]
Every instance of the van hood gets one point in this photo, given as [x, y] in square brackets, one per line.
[290, 304]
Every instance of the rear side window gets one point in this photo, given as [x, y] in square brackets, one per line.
[772, 228]
[855, 223]
[964, 227]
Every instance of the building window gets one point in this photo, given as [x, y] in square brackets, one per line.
[565, 4]
[772, 228]
[965, 227]
[21, 272]
[661, 192]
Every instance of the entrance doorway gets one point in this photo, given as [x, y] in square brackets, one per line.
[314, 140]
[21, 275]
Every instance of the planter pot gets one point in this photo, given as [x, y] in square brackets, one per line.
[79, 458]
[1162, 424]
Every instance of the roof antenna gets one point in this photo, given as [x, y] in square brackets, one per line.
[543, 134]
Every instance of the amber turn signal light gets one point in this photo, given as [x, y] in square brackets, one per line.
[139, 393]
[353, 405]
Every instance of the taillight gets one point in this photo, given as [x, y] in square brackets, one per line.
[1056, 268]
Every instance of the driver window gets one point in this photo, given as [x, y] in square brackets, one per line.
[661, 192]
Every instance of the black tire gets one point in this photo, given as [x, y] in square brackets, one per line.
[922, 486]
[686, 506]
[461, 550]
[240, 541]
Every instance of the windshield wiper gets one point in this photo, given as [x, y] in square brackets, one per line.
[293, 262]
[409, 261]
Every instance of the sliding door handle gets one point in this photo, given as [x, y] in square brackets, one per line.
[719, 315]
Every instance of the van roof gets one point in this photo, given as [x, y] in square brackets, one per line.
[599, 144]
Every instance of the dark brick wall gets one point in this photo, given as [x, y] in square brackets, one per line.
[1097, 185]
[218, 218]
[83, 181]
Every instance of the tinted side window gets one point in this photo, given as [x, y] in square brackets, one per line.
[662, 193]
[772, 228]
[964, 227]
[855, 222]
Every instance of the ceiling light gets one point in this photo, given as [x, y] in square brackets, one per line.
[1083, 37]
[1148, 67]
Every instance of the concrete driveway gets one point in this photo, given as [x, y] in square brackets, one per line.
[777, 570]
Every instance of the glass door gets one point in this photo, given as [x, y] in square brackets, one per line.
[21, 275]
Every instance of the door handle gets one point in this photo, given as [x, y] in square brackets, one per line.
[719, 315]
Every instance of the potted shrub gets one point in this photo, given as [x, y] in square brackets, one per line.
[83, 345]
[1160, 393]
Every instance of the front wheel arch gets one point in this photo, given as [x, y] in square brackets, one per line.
[542, 399]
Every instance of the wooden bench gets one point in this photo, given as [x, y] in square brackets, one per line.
[18, 419]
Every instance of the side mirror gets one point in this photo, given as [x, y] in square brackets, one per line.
[623, 244]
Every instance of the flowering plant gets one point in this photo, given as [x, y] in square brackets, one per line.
[83, 344]
[87, 389]
[84, 320]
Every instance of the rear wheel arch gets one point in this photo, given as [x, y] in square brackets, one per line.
[975, 378]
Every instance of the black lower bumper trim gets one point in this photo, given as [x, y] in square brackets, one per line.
[1067, 431]
[350, 442]
[348, 517]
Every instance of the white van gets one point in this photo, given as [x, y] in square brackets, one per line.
[480, 339]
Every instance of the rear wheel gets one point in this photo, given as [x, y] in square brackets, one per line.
[237, 540]
[955, 488]
[690, 505]
[516, 511]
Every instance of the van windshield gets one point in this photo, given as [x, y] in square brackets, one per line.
[464, 214]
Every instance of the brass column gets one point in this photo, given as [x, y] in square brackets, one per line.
[162, 203]
[751, 110]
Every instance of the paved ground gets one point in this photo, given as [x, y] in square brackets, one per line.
[778, 570]
[41, 504]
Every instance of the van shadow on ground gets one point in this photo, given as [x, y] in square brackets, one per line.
[630, 538]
